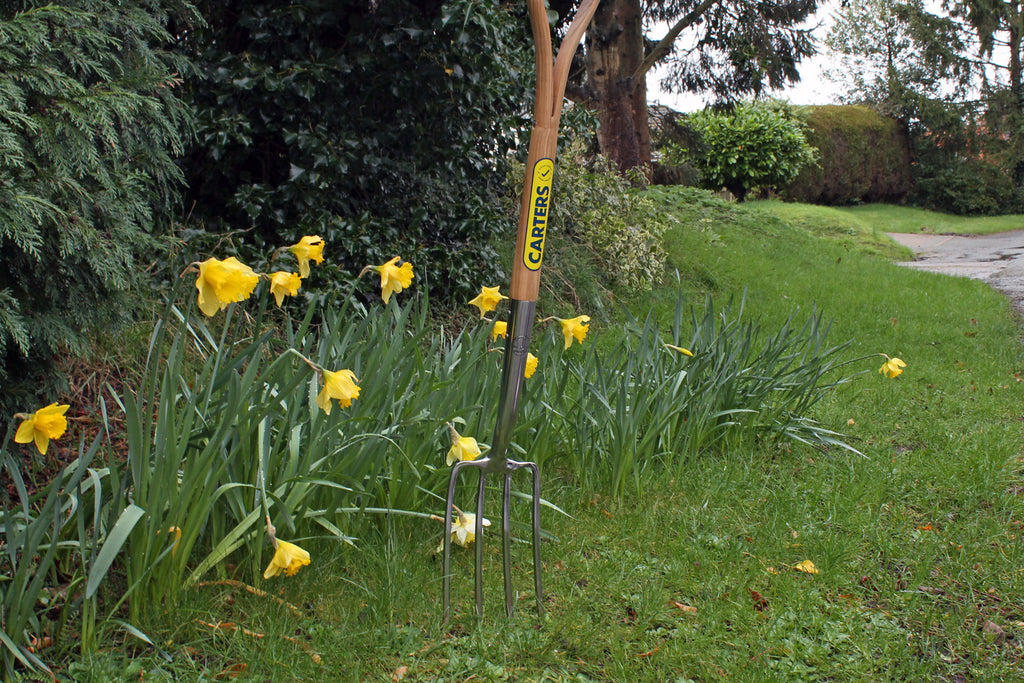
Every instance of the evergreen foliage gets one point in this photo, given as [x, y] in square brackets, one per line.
[864, 156]
[752, 146]
[382, 127]
[925, 66]
[90, 121]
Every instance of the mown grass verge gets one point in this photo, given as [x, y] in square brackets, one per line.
[891, 218]
[693, 574]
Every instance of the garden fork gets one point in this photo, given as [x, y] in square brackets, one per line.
[552, 75]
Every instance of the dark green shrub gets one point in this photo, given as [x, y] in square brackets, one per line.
[89, 122]
[864, 156]
[970, 187]
[671, 131]
[383, 126]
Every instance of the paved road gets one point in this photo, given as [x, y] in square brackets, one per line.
[996, 259]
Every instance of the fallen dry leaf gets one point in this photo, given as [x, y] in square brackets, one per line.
[683, 607]
[995, 632]
[760, 604]
[234, 671]
[400, 673]
[806, 566]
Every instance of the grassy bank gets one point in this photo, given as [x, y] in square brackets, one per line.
[700, 573]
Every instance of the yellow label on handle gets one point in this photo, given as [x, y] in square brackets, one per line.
[540, 208]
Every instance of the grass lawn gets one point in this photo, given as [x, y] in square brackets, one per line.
[890, 218]
[695, 575]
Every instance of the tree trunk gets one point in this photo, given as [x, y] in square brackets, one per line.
[1017, 89]
[615, 50]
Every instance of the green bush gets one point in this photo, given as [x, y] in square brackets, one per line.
[752, 146]
[864, 156]
[90, 121]
[970, 187]
[384, 127]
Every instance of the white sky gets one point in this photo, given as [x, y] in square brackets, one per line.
[813, 87]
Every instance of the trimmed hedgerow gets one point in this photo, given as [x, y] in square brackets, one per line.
[864, 156]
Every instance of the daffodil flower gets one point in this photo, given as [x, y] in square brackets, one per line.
[679, 349]
[500, 329]
[339, 385]
[892, 367]
[463, 447]
[309, 248]
[463, 529]
[284, 284]
[531, 365]
[222, 283]
[487, 300]
[393, 277]
[575, 328]
[288, 558]
[41, 426]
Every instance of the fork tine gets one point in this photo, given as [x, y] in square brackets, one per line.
[537, 574]
[506, 539]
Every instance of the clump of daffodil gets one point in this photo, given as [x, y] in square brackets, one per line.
[463, 447]
[41, 426]
[500, 329]
[463, 528]
[487, 300]
[340, 385]
[393, 277]
[531, 365]
[892, 367]
[288, 558]
[284, 284]
[222, 283]
[573, 328]
[679, 349]
[309, 248]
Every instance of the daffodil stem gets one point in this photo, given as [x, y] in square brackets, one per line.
[316, 368]
[272, 532]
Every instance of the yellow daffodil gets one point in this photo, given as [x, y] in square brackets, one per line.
[393, 278]
[464, 528]
[531, 365]
[340, 385]
[463, 447]
[221, 283]
[679, 349]
[892, 367]
[41, 426]
[575, 328]
[487, 300]
[500, 329]
[284, 284]
[288, 558]
[309, 248]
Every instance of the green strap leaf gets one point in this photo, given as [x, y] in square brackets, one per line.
[112, 546]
